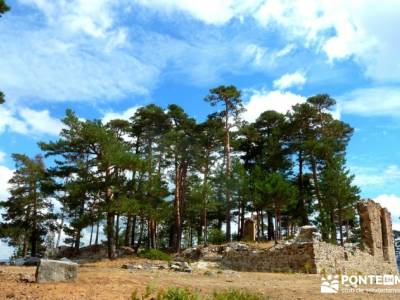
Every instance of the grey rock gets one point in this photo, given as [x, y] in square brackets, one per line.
[56, 271]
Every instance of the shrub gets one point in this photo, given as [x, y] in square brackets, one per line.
[154, 254]
[216, 236]
[176, 293]
[237, 295]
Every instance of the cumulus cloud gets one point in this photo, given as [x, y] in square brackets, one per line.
[5, 176]
[378, 177]
[342, 29]
[216, 12]
[380, 101]
[290, 80]
[280, 101]
[125, 115]
[28, 121]
[2, 156]
[392, 203]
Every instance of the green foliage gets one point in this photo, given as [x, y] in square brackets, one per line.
[178, 293]
[3, 7]
[154, 254]
[216, 236]
[237, 295]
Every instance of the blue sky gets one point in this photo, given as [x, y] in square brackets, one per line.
[104, 58]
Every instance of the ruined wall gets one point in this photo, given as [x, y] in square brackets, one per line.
[309, 255]
[376, 230]
[291, 258]
[249, 230]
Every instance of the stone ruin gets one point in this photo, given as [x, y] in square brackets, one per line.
[307, 254]
[249, 230]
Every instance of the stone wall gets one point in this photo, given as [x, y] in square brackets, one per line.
[295, 257]
[308, 254]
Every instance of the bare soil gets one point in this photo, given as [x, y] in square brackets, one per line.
[107, 280]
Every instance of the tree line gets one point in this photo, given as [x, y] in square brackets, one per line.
[164, 180]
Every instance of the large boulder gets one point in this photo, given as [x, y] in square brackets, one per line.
[55, 271]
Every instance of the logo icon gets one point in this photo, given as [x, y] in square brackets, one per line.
[330, 284]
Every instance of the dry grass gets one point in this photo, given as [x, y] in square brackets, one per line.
[106, 280]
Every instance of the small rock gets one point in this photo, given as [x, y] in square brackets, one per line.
[26, 278]
[209, 273]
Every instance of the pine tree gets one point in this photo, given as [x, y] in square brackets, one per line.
[232, 107]
[28, 210]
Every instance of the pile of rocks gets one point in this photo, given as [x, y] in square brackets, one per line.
[211, 253]
[178, 266]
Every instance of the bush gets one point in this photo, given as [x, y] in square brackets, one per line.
[216, 236]
[178, 293]
[154, 254]
[237, 295]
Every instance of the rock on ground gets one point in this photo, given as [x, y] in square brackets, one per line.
[54, 271]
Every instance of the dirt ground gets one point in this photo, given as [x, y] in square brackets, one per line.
[107, 280]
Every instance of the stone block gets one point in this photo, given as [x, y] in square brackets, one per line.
[56, 271]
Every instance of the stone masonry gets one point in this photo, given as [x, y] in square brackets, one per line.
[307, 254]
[376, 230]
[249, 230]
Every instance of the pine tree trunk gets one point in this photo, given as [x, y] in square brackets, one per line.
[128, 230]
[91, 235]
[96, 241]
[270, 226]
[302, 205]
[117, 233]
[60, 230]
[133, 231]
[228, 173]
[110, 235]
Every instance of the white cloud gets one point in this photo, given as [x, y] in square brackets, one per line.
[377, 177]
[279, 101]
[28, 121]
[5, 176]
[41, 122]
[93, 17]
[381, 101]
[342, 29]
[2, 156]
[290, 80]
[216, 12]
[392, 203]
[125, 115]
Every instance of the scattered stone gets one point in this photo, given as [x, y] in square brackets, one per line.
[55, 271]
[26, 278]
[209, 274]
[127, 250]
[132, 267]
[66, 259]
[180, 266]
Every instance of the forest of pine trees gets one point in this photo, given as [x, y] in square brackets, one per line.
[164, 180]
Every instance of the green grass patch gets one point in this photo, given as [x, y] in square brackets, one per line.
[154, 254]
[178, 293]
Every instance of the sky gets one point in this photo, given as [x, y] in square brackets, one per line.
[106, 58]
